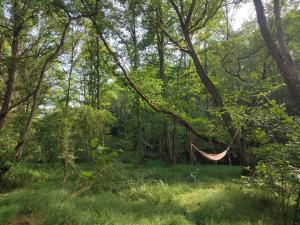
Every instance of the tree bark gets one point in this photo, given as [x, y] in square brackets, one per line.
[12, 68]
[244, 156]
[184, 21]
[70, 75]
[64, 147]
[285, 68]
[174, 142]
[280, 34]
[160, 43]
[135, 64]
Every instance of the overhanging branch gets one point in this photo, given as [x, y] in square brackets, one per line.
[135, 88]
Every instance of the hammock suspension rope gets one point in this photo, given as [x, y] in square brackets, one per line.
[219, 156]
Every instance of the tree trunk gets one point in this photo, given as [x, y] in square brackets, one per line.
[174, 142]
[64, 148]
[216, 97]
[139, 146]
[12, 67]
[63, 130]
[98, 74]
[286, 69]
[280, 34]
[24, 135]
[148, 101]
[70, 75]
[296, 214]
[191, 151]
[135, 63]
[161, 57]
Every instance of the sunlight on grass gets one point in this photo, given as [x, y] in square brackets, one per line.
[152, 194]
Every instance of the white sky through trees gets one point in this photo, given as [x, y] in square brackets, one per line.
[245, 12]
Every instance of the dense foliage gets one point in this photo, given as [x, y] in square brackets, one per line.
[104, 81]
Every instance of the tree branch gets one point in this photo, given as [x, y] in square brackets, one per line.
[6, 27]
[25, 99]
[202, 16]
[141, 94]
[189, 15]
[180, 15]
[175, 42]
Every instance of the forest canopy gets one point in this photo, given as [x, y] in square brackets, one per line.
[104, 81]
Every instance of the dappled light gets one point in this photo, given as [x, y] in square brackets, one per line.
[157, 112]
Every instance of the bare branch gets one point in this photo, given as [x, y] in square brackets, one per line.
[6, 27]
[223, 64]
[251, 53]
[23, 100]
[197, 26]
[181, 7]
[180, 15]
[189, 16]
[202, 16]
[176, 42]
[172, 39]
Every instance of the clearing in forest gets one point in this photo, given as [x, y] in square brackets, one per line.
[132, 194]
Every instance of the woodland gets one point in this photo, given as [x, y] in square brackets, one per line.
[149, 112]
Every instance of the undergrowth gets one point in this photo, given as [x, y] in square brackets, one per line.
[134, 194]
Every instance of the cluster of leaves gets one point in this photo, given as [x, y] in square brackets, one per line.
[86, 129]
[20, 175]
[278, 159]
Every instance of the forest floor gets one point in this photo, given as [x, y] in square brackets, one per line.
[128, 194]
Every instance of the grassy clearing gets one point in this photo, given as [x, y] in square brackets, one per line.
[133, 194]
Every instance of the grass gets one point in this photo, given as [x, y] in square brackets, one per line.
[137, 194]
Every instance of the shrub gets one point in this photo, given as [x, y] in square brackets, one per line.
[19, 176]
[277, 175]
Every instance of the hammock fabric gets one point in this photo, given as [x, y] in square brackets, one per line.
[213, 157]
[219, 156]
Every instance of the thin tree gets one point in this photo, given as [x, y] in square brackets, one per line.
[36, 97]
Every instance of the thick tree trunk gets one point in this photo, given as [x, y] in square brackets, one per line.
[280, 34]
[9, 83]
[286, 69]
[12, 67]
[216, 97]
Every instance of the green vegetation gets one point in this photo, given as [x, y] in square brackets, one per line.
[108, 107]
[152, 193]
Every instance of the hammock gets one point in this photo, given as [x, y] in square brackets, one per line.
[212, 157]
[215, 157]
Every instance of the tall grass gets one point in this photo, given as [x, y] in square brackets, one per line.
[140, 194]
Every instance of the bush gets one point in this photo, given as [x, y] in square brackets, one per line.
[277, 175]
[19, 176]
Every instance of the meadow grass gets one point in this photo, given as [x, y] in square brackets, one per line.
[152, 193]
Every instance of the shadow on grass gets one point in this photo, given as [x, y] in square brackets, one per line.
[213, 199]
[108, 208]
[232, 206]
